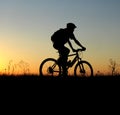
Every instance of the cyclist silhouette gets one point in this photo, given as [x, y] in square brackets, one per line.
[60, 38]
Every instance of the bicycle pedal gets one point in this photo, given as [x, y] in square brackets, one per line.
[69, 63]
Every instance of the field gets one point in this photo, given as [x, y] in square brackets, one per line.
[47, 86]
[67, 78]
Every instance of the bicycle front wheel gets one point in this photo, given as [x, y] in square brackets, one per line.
[49, 67]
[83, 69]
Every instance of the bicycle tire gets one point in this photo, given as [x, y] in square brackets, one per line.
[49, 67]
[87, 70]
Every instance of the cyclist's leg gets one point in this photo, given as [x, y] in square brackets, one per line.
[64, 51]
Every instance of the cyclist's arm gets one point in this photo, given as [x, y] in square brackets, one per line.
[79, 44]
[76, 41]
[71, 46]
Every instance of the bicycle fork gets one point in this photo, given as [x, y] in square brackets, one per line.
[82, 70]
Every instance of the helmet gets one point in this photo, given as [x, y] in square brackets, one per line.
[71, 25]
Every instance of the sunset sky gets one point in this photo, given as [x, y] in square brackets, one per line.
[27, 25]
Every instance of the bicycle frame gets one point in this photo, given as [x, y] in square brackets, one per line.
[76, 58]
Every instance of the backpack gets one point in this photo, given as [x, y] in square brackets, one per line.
[55, 38]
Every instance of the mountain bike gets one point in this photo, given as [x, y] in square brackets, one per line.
[51, 67]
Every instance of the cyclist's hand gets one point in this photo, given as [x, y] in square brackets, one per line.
[83, 48]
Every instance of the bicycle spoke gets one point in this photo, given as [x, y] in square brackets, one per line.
[83, 69]
[49, 68]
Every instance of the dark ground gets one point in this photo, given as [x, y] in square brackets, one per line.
[67, 78]
[37, 85]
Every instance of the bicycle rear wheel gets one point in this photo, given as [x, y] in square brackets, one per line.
[49, 67]
[83, 69]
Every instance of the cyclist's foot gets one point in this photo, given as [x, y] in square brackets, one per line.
[69, 63]
[64, 74]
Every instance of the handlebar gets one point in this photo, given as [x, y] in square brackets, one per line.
[79, 50]
[76, 52]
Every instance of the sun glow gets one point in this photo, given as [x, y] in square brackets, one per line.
[2, 64]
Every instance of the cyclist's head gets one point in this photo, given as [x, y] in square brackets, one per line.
[71, 26]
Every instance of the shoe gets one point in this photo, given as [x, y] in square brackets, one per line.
[69, 63]
[64, 75]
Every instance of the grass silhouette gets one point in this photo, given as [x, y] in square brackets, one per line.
[37, 77]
